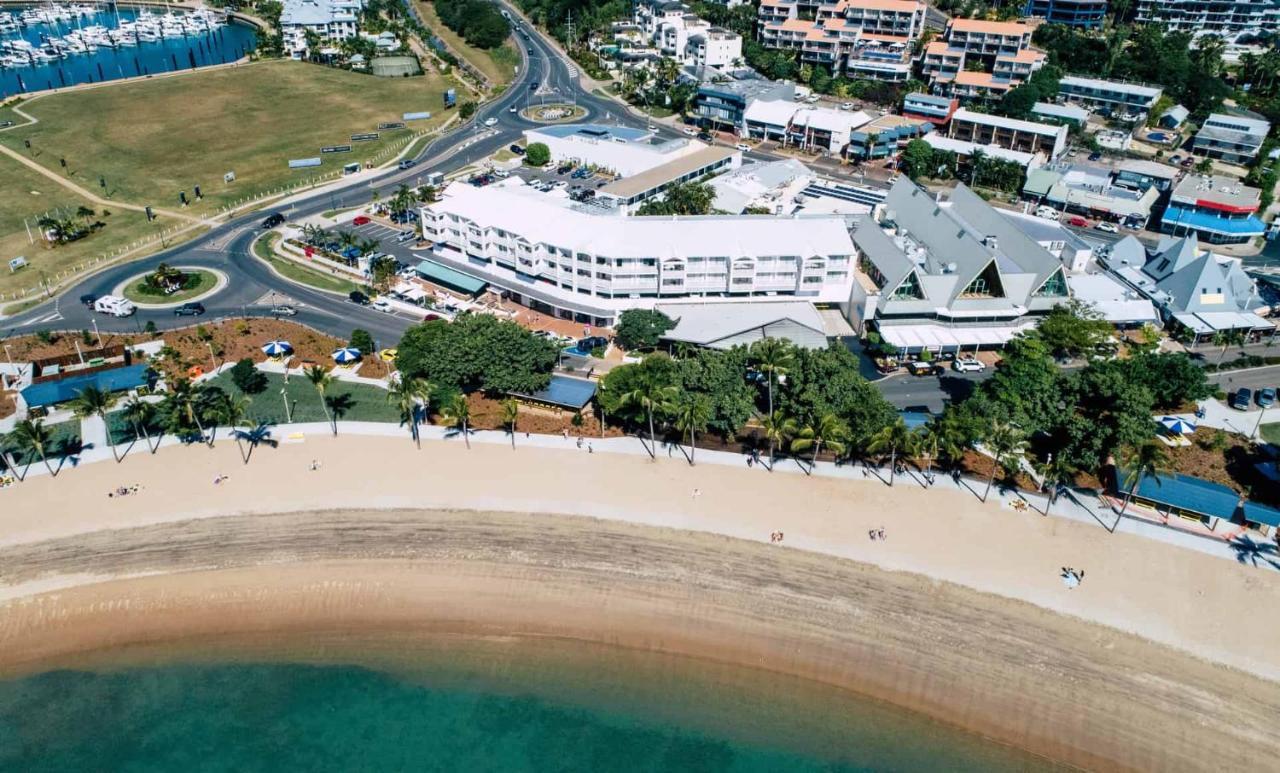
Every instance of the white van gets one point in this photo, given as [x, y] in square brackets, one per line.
[114, 305]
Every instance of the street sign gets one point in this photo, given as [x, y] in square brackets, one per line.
[416, 116]
[302, 163]
[336, 149]
[392, 125]
[364, 137]
[229, 177]
[17, 263]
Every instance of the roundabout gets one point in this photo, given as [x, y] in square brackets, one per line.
[553, 113]
[197, 284]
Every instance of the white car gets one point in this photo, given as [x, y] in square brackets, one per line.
[511, 109]
[1106, 227]
[491, 122]
[383, 306]
[1048, 213]
[847, 106]
[968, 365]
[690, 131]
[744, 147]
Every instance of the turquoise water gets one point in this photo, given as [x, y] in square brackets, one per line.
[478, 712]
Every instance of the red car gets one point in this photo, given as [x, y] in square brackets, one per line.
[361, 220]
[1078, 222]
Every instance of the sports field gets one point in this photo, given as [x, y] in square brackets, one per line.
[26, 195]
[151, 139]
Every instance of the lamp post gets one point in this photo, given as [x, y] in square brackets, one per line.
[288, 413]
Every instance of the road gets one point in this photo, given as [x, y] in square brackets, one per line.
[1254, 378]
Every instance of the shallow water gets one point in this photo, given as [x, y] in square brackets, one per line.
[398, 702]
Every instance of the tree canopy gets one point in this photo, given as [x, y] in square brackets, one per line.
[480, 23]
[537, 154]
[690, 198]
[641, 328]
[477, 352]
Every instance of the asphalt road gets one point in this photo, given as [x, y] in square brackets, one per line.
[1254, 378]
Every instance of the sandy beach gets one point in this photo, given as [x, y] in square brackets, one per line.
[1164, 658]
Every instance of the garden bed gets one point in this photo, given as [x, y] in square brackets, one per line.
[196, 282]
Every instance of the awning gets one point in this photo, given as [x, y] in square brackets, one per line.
[451, 278]
[938, 337]
[1206, 322]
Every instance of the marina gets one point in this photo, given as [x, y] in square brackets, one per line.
[54, 46]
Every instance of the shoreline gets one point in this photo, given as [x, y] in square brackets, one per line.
[959, 614]
[1072, 692]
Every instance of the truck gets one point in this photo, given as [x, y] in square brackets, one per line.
[435, 179]
[114, 305]
[451, 98]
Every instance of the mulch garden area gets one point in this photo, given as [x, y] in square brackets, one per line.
[1226, 458]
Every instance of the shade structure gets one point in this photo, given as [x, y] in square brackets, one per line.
[1175, 425]
[277, 348]
[345, 355]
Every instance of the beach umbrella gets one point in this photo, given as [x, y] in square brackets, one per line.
[1176, 426]
[345, 355]
[277, 348]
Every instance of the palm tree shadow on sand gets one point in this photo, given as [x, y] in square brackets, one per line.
[1253, 553]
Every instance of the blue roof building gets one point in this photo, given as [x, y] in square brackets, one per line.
[567, 392]
[1185, 495]
[115, 380]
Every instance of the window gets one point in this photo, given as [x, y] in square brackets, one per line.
[985, 285]
[1054, 287]
[910, 289]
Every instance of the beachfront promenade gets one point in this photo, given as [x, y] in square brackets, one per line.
[1078, 507]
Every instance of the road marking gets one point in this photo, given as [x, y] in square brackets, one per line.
[47, 318]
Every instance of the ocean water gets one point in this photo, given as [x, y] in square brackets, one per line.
[476, 705]
[225, 44]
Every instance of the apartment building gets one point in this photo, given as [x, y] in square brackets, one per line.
[1000, 47]
[928, 107]
[721, 104]
[673, 30]
[1008, 133]
[816, 129]
[988, 39]
[1228, 19]
[1085, 14]
[1219, 210]
[332, 20]
[1116, 95]
[713, 47]
[1231, 138]
[618, 149]
[569, 261]
[860, 38]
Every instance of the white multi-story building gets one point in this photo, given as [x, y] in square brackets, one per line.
[860, 38]
[1228, 19]
[331, 20]
[620, 150]
[1235, 139]
[1008, 133]
[675, 31]
[571, 261]
[1001, 48]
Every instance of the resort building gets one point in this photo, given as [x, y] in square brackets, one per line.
[988, 40]
[1008, 133]
[965, 151]
[1002, 49]
[713, 47]
[1231, 138]
[1174, 117]
[722, 104]
[1219, 210]
[815, 129]
[630, 192]
[332, 20]
[577, 263]
[928, 107]
[1087, 14]
[620, 150]
[675, 31]
[1200, 291]
[1228, 19]
[1066, 115]
[885, 136]
[945, 276]
[859, 38]
[1115, 95]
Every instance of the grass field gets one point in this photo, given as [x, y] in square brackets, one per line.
[205, 280]
[64, 439]
[363, 402]
[496, 65]
[290, 270]
[26, 194]
[152, 139]
[1271, 433]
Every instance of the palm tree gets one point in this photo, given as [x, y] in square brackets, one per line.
[652, 398]
[774, 357]
[692, 412]
[1056, 472]
[322, 379]
[92, 401]
[510, 416]
[1008, 446]
[1150, 458]
[141, 414]
[233, 411]
[894, 438]
[184, 405]
[778, 430]
[33, 435]
[457, 413]
[407, 393]
[828, 430]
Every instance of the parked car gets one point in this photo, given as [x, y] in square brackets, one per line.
[690, 131]
[189, 309]
[358, 298]
[1187, 162]
[920, 368]
[846, 106]
[89, 299]
[284, 310]
[1175, 158]
[406, 236]
[1048, 213]
[1241, 399]
[1077, 221]
[1266, 397]
[408, 163]
[361, 220]
[1095, 156]
[705, 136]
[383, 306]
[968, 365]
[1107, 227]
[273, 220]
[514, 148]
[742, 146]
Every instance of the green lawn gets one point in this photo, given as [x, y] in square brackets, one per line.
[122, 432]
[151, 139]
[205, 281]
[366, 403]
[290, 270]
[1271, 433]
[25, 195]
[496, 65]
[65, 438]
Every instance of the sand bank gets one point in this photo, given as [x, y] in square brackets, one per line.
[206, 560]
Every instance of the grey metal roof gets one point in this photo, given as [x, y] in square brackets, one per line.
[706, 323]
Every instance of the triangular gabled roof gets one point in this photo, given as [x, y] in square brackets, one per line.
[1173, 258]
[1186, 286]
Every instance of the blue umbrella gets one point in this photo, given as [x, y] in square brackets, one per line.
[277, 348]
[1177, 426]
[345, 355]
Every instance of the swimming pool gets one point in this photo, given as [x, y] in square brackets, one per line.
[1157, 136]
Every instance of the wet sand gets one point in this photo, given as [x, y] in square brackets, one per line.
[663, 570]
